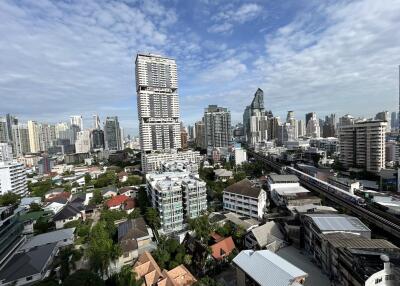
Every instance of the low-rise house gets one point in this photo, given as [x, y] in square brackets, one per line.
[131, 191]
[61, 198]
[266, 236]
[54, 207]
[30, 218]
[223, 175]
[266, 268]
[122, 176]
[134, 237]
[147, 269]
[27, 268]
[223, 247]
[116, 202]
[245, 198]
[129, 205]
[220, 218]
[53, 192]
[61, 238]
[26, 202]
[66, 214]
[108, 192]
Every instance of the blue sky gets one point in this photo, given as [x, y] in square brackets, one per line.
[60, 58]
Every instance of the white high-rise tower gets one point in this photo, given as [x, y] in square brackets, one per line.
[158, 103]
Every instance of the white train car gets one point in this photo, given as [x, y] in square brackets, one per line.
[326, 187]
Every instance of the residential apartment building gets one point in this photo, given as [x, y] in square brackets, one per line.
[153, 162]
[362, 145]
[312, 128]
[83, 142]
[158, 103]
[21, 144]
[5, 152]
[178, 196]
[76, 120]
[200, 139]
[245, 198]
[13, 178]
[112, 134]
[217, 123]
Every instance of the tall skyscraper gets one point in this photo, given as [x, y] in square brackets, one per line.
[34, 136]
[77, 121]
[393, 120]
[217, 126]
[96, 122]
[308, 117]
[200, 134]
[293, 132]
[82, 143]
[112, 134]
[3, 130]
[313, 130]
[63, 131]
[11, 120]
[97, 139]
[346, 120]
[255, 120]
[21, 143]
[301, 128]
[158, 103]
[362, 145]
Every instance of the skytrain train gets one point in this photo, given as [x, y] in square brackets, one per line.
[326, 187]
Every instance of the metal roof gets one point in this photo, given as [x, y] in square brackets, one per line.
[275, 178]
[267, 268]
[27, 264]
[335, 222]
[49, 237]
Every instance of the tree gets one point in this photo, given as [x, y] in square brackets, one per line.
[34, 207]
[134, 214]
[68, 257]
[152, 218]
[143, 200]
[207, 281]
[42, 225]
[9, 198]
[169, 253]
[83, 278]
[127, 277]
[97, 197]
[40, 188]
[108, 178]
[202, 228]
[101, 250]
[88, 179]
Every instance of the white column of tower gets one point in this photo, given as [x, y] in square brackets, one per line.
[157, 103]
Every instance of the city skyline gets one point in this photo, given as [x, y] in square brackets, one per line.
[89, 63]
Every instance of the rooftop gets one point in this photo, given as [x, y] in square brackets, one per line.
[66, 212]
[49, 237]
[26, 264]
[290, 191]
[337, 222]
[267, 268]
[245, 188]
[222, 248]
[350, 240]
[275, 178]
[116, 201]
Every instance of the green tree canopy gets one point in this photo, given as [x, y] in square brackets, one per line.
[83, 278]
[127, 277]
[101, 250]
[201, 227]
[152, 218]
[9, 198]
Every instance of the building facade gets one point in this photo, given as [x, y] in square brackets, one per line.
[177, 196]
[255, 120]
[13, 178]
[217, 122]
[112, 134]
[153, 162]
[157, 102]
[362, 145]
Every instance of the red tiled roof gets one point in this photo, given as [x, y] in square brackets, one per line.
[216, 236]
[222, 248]
[56, 197]
[116, 201]
[130, 204]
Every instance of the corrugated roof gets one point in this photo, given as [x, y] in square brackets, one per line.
[49, 237]
[350, 240]
[27, 264]
[267, 233]
[267, 268]
[275, 178]
[337, 222]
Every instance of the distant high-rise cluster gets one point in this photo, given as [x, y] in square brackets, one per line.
[255, 120]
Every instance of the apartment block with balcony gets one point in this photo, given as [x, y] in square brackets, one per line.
[13, 178]
[362, 145]
[177, 196]
[245, 198]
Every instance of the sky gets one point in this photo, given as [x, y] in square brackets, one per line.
[62, 58]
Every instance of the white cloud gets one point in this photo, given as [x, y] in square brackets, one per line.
[226, 20]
